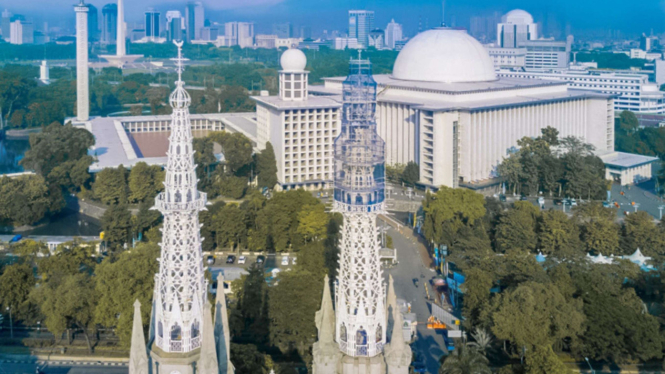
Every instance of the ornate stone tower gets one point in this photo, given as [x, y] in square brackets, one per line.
[360, 317]
[182, 333]
[82, 89]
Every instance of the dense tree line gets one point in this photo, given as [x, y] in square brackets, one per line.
[565, 305]
[559, 167]
[611, 60]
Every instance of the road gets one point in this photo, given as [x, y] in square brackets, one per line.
[429, 343]
[61, 368]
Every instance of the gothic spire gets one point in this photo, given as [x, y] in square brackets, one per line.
[325, 317]
[222, 332]
[208, 362]
[138, 356]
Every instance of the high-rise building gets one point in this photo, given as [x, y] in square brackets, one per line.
[377, 38]
[44, 73]
[152, 24]
[646, 42]
[93, 23]
[82, 89]
[109, 23]
[361, 22]
[5, 25]
[306, 32]
[516, 26]
[239, 33]
[393, 34]
[174, 25]
[194, 20]
[283, 30]
[209, 33]
[182, 331]
[21, 32]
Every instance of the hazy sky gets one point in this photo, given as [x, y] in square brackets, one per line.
[583, 15]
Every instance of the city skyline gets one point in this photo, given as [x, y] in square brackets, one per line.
[590, 16]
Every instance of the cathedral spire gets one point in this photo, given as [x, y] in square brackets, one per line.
[222, 332]
[138, 356]
[325, 317]
[208, 361]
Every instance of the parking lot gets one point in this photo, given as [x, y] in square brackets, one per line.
[269, 261]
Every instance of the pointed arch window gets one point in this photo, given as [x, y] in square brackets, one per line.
[176, 332]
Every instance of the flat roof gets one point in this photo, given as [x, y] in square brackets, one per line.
[312, 102]
[499, 84]
[622, 160]
[115, 146]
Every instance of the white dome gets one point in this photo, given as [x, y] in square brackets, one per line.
[518, 16]
[444, 55]
[293, 60]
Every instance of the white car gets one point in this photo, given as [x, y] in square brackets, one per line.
[573, 202]
[293, 260]
[285, 260]
[242, 260]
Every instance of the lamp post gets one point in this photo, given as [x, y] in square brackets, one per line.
[11, 325]
[589, 363]
[637, 205]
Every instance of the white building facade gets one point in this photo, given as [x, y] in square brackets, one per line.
[361, 22]
[508, 57]
[394, 34]
[444, 108]
[633, 91]
[301, 128]
[82, 86]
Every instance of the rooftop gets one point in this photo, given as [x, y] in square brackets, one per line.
[623, 160]
[312, 102]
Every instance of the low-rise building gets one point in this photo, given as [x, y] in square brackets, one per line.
[627, 168]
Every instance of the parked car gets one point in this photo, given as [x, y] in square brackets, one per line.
[541, 200]
[606, 204]
[16, 239]
[293, 260]
[523, 198]
[242, 260]
[230, 259]
[502, 198]
[558, 202]
[285, 260]
[260, 259]
[573, 202]
[210, 260]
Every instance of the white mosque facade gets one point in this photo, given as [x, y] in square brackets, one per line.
[444, 108]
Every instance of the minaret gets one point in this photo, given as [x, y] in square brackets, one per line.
[82, 94]
[120, 47]
[180, 286]
[359, 196]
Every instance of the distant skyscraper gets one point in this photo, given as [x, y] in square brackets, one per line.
[152, 24]
[306, 32]
[361, 22]
[93, 23]
[174, 23]
[377, 39]
[283, 30]
[239, 33]
[194, 20]
[517, 26]
[109, 23]
[393, 34]
[21, 32]
[82, 94]
[209, 33]
[5, 25]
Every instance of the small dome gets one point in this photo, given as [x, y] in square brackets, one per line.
[293, 60]
[444, 55]
[518, 16]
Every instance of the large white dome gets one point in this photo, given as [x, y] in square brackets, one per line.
[518, 17]
[293, 59]
[444, 55]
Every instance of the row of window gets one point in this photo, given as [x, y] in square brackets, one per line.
[303, 178]
[309, 162]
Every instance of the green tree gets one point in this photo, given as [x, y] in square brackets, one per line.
[447, 211]
[249, 319]
[411, 174]
[640, 231]
[476, 294]
[558, 235]
[117, 226]
[247, 359]
[68, 303]
[145, 182]
[266, 167]
[516, 229]
[313, 222]
[110, 186]
[292, 324]
[237, 149]
[511, 169]
[69, 259]
[16, 283]
[394, 172]
[120, 281]
[204, 157]
[628, 122]
[599, 232]
[464, 360]
[535, 314]
[543, 360]
[229, 226]
[231, 186]
[23, 200]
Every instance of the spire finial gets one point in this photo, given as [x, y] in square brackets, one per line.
[179, 61]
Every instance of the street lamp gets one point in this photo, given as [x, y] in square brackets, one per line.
[637, 205]
[11, 325]
[590, 367]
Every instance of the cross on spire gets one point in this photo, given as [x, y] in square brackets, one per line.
[179, 61]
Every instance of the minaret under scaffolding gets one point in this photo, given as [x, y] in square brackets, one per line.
[361, 316]
[182, 334]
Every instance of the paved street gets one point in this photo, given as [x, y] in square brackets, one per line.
[58, 368]
[429, 343]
